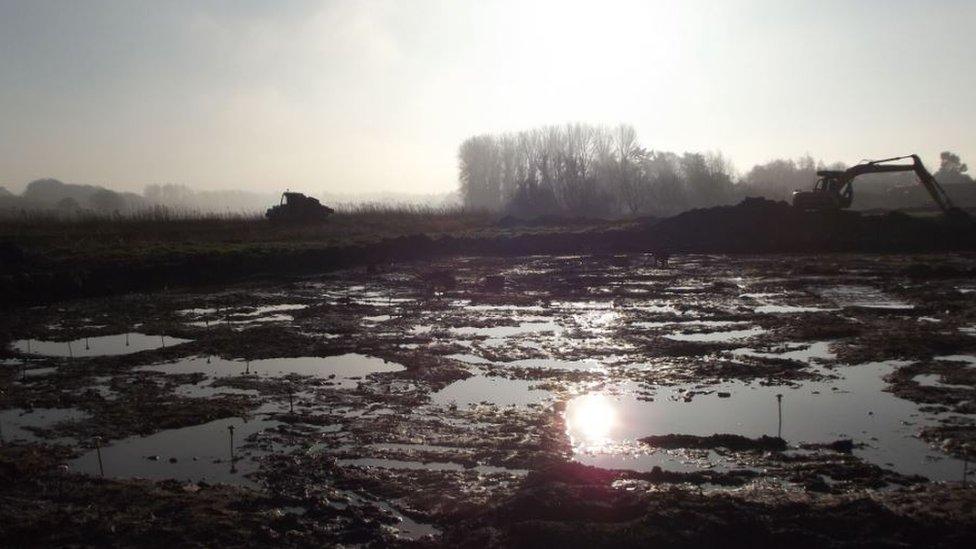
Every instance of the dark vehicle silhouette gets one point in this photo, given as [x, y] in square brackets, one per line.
[835, 189]
[298, 208]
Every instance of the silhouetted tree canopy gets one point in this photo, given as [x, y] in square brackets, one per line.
[595, 171]
[584, 170]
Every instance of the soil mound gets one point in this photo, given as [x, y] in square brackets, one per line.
[757, 225]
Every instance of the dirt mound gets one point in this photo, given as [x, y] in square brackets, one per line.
[757, 225]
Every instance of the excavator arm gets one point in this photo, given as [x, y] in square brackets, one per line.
[846, 178]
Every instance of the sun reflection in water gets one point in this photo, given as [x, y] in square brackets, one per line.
[590, 419]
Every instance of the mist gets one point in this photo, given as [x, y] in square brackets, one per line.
[349, 97]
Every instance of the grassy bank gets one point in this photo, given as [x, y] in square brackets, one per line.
[152, 232]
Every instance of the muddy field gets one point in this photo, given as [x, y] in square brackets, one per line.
[598, 400]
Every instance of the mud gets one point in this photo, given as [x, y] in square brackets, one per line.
[588, 399]
[753, 226]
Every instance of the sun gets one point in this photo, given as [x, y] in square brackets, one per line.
[590, 419]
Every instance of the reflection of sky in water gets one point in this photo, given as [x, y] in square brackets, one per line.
[508, 331]
[722, 336]
[854, 407]
[15, 423]
[343, 367]
[119, 344]
[863, 296]
[195, 449]
[496, 390]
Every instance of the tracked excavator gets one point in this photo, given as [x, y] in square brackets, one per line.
[834, 189]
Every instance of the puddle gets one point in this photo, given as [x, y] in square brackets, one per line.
[932, 380]
[261, 311]
[863, 296]
[495, 390]
[406, 527]
[730, 335]
[803, 352]
[15, 423]
[207, 391]
[39, 372]
[345, 368]
[969, 359]
[119, 344]
[678, 323]
[854, 407]
[785, 309]
[376, 319]
[429, 466]
[557, 364]
[508, 331]
[469, 359]
[202, 452]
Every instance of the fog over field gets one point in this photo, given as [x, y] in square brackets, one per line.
[377, 96]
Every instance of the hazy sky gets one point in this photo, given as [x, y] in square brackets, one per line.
[349, 96]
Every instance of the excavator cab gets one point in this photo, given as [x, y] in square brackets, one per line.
[831, 192]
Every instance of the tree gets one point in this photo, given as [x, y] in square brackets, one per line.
[105, 200]
[952, 170]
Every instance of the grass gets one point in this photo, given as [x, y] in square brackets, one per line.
[162, 230]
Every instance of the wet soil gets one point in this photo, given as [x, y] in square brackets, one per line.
[579, 399]
[38, 274]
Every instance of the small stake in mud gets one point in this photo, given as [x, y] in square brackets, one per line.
[87, 346]
[127, 339]
[965, 463]
[98, 452]
[247, 367]
[779, 406]
[230, 429]
[28, 345]
[291, 401]
[1, 423]
[162, 340]
[71, 353]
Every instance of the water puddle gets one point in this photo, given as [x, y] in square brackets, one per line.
[863, 296]
[558, 364]
[469, 359]
[492, 390]
[809, 353]
[197, 453]
[681, 323]
[508, 331]
[429, 465]
[854, 407]
[376, 319]
[787, 309]
[111, 345]
[933, 380]
[15, 423]
[726, 336]
[969, 359]
[343, 370]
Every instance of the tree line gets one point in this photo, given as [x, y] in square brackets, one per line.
[596, 171]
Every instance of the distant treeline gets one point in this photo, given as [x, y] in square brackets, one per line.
[68, 200]
[593, 171]
[72, 199]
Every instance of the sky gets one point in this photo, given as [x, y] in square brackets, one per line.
[369, 96]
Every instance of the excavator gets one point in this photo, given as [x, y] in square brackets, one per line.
[834, 189]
